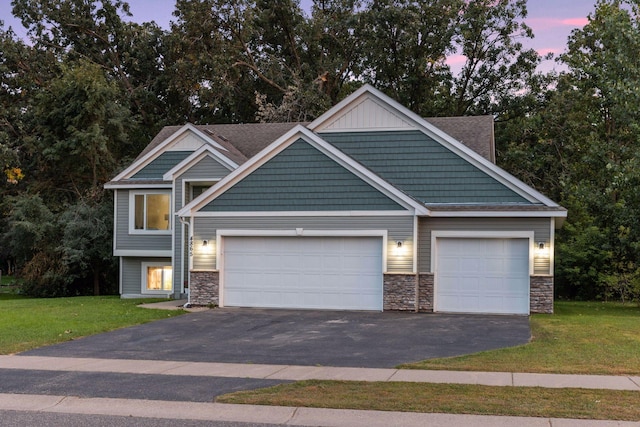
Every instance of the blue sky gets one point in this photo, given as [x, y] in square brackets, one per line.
[551, 20]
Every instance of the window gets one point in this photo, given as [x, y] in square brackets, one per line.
[157, 278]
[151, 212]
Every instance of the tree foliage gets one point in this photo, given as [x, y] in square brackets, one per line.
[90, 88]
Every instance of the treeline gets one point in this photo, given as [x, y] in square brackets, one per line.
[90, 88]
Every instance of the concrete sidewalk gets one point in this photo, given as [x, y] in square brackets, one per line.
[252, 414]
[297, 373]
[281, 415]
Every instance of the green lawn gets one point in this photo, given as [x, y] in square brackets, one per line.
[27, 323]
[448, 398]
[580, 338]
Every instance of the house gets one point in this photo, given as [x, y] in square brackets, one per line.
[368, 207]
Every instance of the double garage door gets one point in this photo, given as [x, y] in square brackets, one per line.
[341, 273]
[475, 275]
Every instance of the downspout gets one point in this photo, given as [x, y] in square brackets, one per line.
[186, 223]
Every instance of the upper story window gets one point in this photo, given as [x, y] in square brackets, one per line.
[150, 212]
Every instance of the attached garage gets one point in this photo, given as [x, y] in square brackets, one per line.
[333, 273]
[482, 275]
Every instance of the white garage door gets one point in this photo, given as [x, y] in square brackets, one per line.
[343, 273]
[482, 275]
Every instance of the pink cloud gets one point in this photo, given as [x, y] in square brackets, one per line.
[546, 23]
[575, 22]
[456, 59]
[546, 50]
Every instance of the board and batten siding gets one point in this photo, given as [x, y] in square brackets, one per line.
[140, 242]
[398, 228]
[541, 228]
[132, 273]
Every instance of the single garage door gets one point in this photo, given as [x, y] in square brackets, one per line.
[482, 275]
[337, 273]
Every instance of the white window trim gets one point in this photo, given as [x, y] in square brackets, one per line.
[132, 212]
[143, 282]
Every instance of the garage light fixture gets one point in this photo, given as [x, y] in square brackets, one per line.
[399, 244]
[205, 243]
[541, 246]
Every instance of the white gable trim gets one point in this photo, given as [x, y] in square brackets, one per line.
[201, 153]
[421, 124]
[300, 132]
[163, 146]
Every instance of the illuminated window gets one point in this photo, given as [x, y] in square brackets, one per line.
[151, 212]
[157, 278]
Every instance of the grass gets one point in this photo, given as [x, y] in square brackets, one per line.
[27, 323]
[448, 398]
[580, 338]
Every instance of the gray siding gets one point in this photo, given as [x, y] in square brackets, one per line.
[161, 164]
[207, 168]
[422, 167]
[399, 228]
[301, 178]
[132, 273]
[126, 241]
[540, 227]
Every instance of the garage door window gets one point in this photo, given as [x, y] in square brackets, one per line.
[157, 278]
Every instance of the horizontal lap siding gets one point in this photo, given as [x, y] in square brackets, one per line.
[399, 228]
[540, 227]
[206, 169]
[161, 164]
[132, 273]
[126, 241]
[422, 167]
[301, 178]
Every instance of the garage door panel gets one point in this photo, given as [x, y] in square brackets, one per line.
[303, 272]
[478, 275]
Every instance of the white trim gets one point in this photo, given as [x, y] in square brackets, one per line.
[132, 185]
[132, 210]
[194, 158]
[481, 234]
[120, 276]
[415, 244]
[445, 139]
[201, 214]
[552, 248]
[144, 265]
[296, 232]
[115, 221]
[160, 148]
[300, 132]
[142, 253]
[504, 213]
[466, 234]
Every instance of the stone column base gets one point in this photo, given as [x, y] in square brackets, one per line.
[541, 294]
[204, 288]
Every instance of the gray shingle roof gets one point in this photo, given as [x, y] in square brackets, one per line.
[476, 132]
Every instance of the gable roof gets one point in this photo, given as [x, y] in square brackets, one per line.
[410, 120]
[294, 135]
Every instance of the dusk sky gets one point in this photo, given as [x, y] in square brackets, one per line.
[551, 20]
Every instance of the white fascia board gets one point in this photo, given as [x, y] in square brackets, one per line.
[448, 141]
[194, 158]
[283, 142]
[147, 158]
[133, 186]
[221, 214]
[143, 253]
[505, 213]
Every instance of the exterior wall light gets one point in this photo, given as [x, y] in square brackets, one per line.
[541, 246]
[205, 243]
[399, 244]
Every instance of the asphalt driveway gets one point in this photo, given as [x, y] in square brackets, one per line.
[295, 337]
